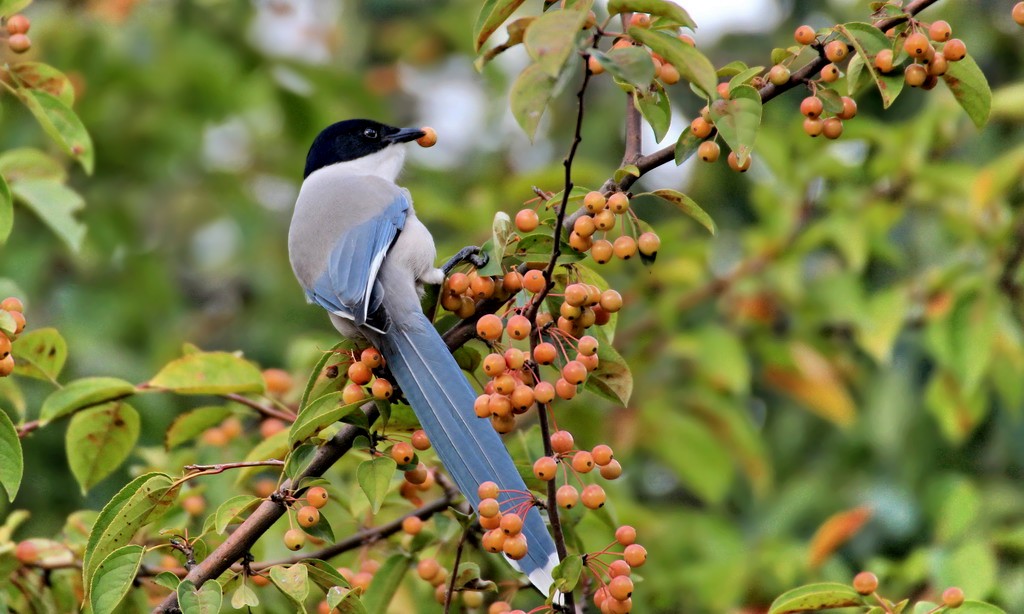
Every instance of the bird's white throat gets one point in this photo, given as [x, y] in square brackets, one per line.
[386, 164]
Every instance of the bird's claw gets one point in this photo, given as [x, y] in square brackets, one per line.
[472, 254]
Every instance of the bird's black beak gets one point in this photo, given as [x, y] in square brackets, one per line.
[404, 135]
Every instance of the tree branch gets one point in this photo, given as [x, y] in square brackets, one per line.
[265, 410]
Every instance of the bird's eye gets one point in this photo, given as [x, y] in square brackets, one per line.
[370, 133]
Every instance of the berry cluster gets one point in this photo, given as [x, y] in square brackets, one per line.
[365, 377]
[418, 479]
[664, 70]
[17, 33]
[866, 583]
[703, 126]
[578, 462]
[307, 516]
[224, 433]
[614, 596]
[603, 214]
[429, 570]
[16, 311]
[461, 291]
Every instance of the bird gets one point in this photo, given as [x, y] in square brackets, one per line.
[359, 251]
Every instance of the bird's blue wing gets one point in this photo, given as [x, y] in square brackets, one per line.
[348, 286]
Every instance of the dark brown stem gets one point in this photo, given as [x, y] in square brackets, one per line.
[455, 570]
[265, 410]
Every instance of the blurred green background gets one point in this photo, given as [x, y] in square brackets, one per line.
[869, 351]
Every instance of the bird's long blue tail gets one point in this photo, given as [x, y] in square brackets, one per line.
[469, 448]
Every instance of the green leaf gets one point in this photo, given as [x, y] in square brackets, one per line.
[687, 205]
[374, 478]
[551, 38]
[972, 566]
[323, 412]
[39, 76]
[529, 96]
[99, 439]
[274, 447]
[661, 8]
[318, 383]
[6, 210]
[978, 607]
[630, 64]
[686, 146]
[324, 574]
[970, 88]
[114, 578]
[191, 423]
[492, 14]
[232, 509]
[867, 41]
[567, 573]
[12, 462]
[10, 7]
[816, 597]
[292, 581]
[60, 122]
[744, 77]
[691, 64]
[28, 163]
[612, 378]
[626, 171]
[732, 69]
[385, 584]
[41, 354]
[738, 119]
[655, 107]
[55, 204]
[7, 323]
[143, 500]
[82, 393]
[501, 233]
[244, 596]
[344, 600]
[516, 30]
[209, 373]
[205, 600]
[831, 101]
[167, 580]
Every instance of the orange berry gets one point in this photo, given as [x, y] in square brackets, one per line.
[382, 389]
[412, 525]
[601, 251]
[353, 393]
[213, 437]
[518, 327]
[458, 282]
[804, 35]
[954, 50]
[317, 496]
[19, 322]
[648, 243]
[849, 108]
[488, 508]
[12, 303]
[420, 441]
[938, 65]
[515, 546]
[403, 453]
[618, 568]
[916, 45]
[567, 496]
[19, 43]
[612, 470]
[778, 75]
[499, 405]
[940, 31]
[830, 73]
[594, 66]
[487, 490]
[625, 535]
[574, 372]
[427, 569]
[504, 384]
[359, 373]
[26, 552]
[813, 126]
[584, 226]
[1018, 13]
[521, 398]
[372, 358]
[640, 20]
[884, 60]
[734, 162]
[564, 389]
[865, 583]
[511, 524]
[583, 462]
[545, 468]
[688, 40]
[836, 51]
[489, 327]
[812, 107]
[709, 151]
[294, 539]
[544, 392]
[512, 282]
[481, 287]
[277, 381]
[602, 454]
[482, 406]
[417, 476]
[723, 91]
[669, 74]
[194, 505]
[18, 24]
[545, 353]
[915, 75]
[534, 281]
[499, 607]
[527, 220]
[617, 203]
[594, 202]
[624, 247]
[308, 516]
[620, 587]
[232, 427]
[700, 127]
[429, 138]
[604, 220]
[593, 497]
[832, 128]
[494, 364]
[953, 597]
[635, 555]
[5, 346]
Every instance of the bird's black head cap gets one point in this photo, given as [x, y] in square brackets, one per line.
[353, 139]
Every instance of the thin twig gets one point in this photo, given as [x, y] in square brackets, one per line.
[455, 570]
[266, 410]
[196, 470]
[27, 428]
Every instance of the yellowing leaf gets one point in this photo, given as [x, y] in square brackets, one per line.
[814, 383]
[838, 529]
[209, 373]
